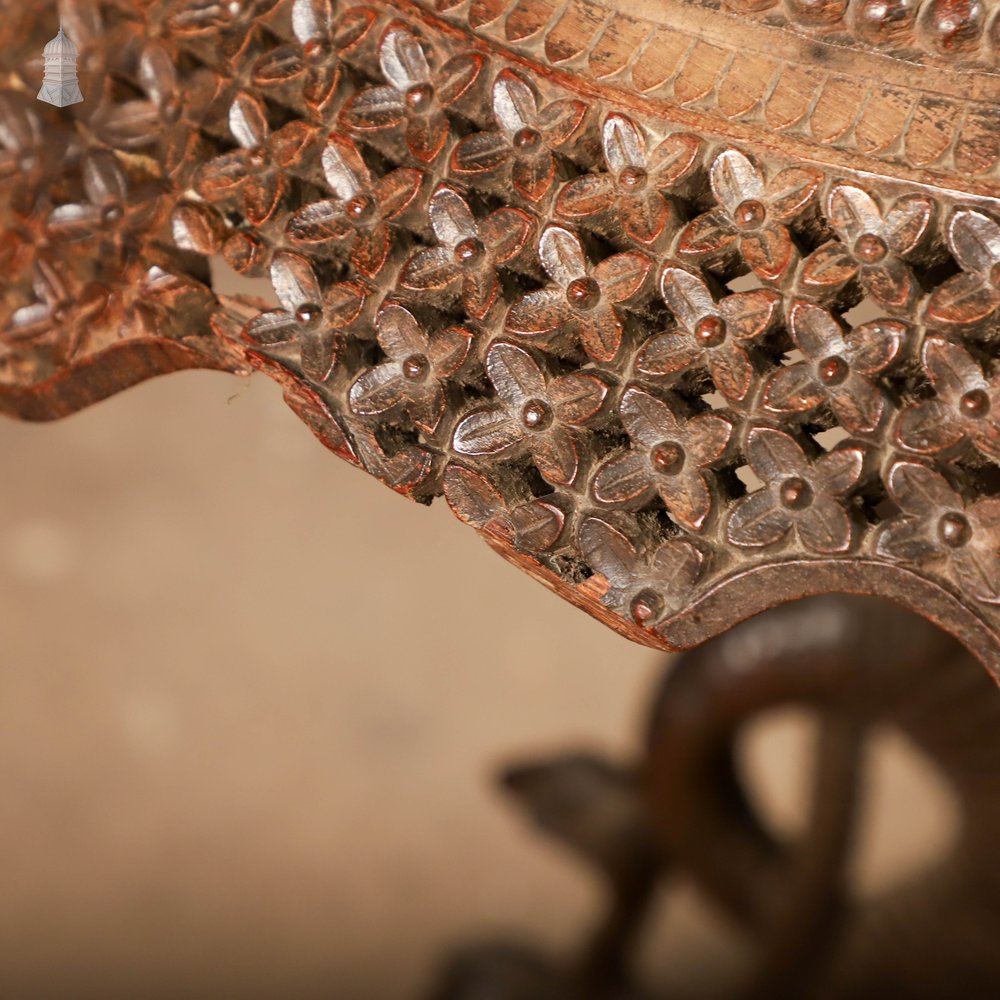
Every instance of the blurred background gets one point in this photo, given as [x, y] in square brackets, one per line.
[252, 704]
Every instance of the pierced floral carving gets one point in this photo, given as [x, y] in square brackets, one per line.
[526, 138]
[311, 316]
[939, 525]
[966, 407]
[532, 526]
[360, 211]
[871, 246]
[631, 190]
[800, 496]
[643, 587]
[838, 368]
[257, 171]
[416, 369]
[669, 456]
[582, 299]
[416, 96]
[752, 214]
[469, 253]
[712, 335]
[974, 295]
[534, 412]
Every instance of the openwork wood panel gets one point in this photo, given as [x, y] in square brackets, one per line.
[588, 273]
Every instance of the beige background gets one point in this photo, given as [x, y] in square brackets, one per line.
[250, 705]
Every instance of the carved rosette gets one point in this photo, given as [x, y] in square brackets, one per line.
[623, 348]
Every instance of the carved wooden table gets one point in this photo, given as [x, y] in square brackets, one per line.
[689, 309]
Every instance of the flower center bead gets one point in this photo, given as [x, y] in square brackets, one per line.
[667, 458]
[111, 213]
[870, 248]
[234, 7]
[469, 252]
[359, 207]
[536, 414]
[833, 370]
[710, 330]
[257, 156]
[795, 493]
[633, 178]
[954, 530]
[749, 214]
[527, 140]
[308, 313]
[416, 367]
[583, 293]
[646, 606]
[315, 50]
[418, 98]
[975, 403]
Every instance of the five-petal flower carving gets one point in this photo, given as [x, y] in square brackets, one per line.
[415, 95]
[669, 456]
[533, 412]
[310, 317]
[526, 137]
[631, 190]
[415, 371]
[965, 409]
[581, 301]
[799, 495]
[871, 246]
[752, 213]
[973, 295]
[361, 209]
[257, 170]
[469, 252]
[838, 368]
[938, 525]
[643, 587]
[711, 334]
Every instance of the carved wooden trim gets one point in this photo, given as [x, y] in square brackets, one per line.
[579, 275]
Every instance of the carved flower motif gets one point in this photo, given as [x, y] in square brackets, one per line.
[644, 587]
[61, 316]
[323, 38]
[871, 245]
[361, 209]
[526, 138]
[669, 456]
[838, 368]
[938, 525]
[414, 374]
[751, 213]
[533, 412]
[966, 408]
[112, 207]
[974, 295]
[582, 301]
[711, 335]
[28, 152]
[799, 495]
[311, 317]
[469, 253]
[415, 95]
[632, 188]
[256, 171]
[534, 526]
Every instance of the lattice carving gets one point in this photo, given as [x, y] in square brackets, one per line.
[620, 342]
